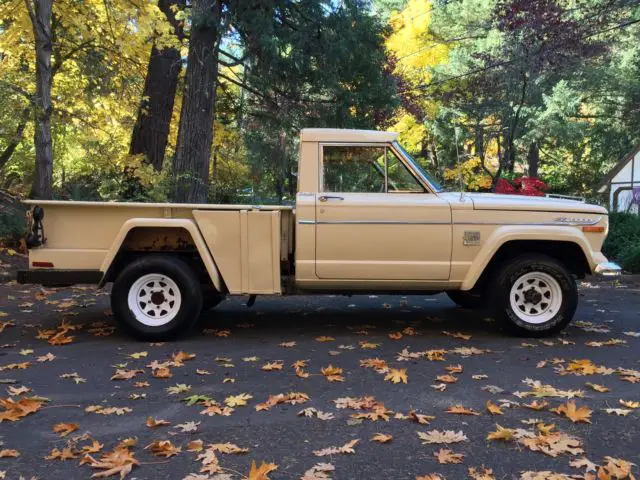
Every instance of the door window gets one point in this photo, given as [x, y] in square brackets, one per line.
[365, 169]
[353, 169]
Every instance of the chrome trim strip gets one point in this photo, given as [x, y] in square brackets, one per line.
[554, 223]
[400, 222]
[369, 222]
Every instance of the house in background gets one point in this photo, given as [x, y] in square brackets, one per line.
[623, 184]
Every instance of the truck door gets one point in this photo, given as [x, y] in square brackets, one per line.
[375, 220]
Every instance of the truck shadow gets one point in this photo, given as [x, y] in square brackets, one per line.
[318, 315]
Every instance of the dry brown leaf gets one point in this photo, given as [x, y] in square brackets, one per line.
[153, 423]
[501, 433]
[454, 368]
[597, 388]
[122, 374]
[420, 418]
[430, 476]
[535, 405]
[15, 410]
[629, 403]
[447, 378]
[332, 374]
[396, 375]
[292, 398]
[382, 438]
[395, 336]
[320, 471]
[461, 410]
[64, 429]
[237, 400]
[195, 446]
[444, 456]
[569, 410]
[346, 448]
[119, 461]
[447, 436]
[493, 409]
[9, 453]
[481, 473]
[324, 338]
[180, 357]
[270, 366]
[16, 391]
[261, 472]
[163, 448]
[457, 335]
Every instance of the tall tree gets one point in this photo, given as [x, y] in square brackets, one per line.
[195, 133]
[40, 15]
[151, 131]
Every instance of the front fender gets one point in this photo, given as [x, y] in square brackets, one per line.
[189, 225]
[508, 233]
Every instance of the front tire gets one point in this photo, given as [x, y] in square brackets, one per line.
[534, 295]
[156, 297]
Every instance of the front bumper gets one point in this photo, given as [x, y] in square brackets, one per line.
[608, 269]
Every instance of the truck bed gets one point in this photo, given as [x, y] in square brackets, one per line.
[250, 246]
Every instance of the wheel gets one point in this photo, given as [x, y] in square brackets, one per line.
[467, 299]
[156, 297]
[534, 295]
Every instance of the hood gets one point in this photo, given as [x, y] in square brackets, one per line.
[493, 201]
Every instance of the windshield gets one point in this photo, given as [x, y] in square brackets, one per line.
[434, 183]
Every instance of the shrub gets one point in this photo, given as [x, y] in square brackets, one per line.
[623, 242]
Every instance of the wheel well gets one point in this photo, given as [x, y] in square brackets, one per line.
[567, 253]
[174, 241]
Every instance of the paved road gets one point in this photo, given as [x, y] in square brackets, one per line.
[233, 334]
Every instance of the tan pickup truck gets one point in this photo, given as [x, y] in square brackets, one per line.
[368, 219]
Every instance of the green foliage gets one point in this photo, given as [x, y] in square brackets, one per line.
[623, 242]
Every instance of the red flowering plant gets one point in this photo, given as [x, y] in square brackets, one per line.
[530, 186]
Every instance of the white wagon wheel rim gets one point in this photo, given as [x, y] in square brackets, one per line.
[536, 297]
[154, 299]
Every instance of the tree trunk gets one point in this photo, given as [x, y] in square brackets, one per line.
[151, 130]
[533, 159]
[40, 15]
[195, 133]
[6, 154]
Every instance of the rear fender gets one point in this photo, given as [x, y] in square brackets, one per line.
[182, 223]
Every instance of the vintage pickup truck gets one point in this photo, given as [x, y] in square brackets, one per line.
[368, 219]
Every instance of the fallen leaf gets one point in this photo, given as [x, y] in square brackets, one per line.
[447, 436]
[493, 409]
[460, 410]
[270, 366]
[346, 448]
[7, 453]
[445, 456]
[237, 400]
[396, 375]
[64, 429]
[320, 471]
[381, 438]
[163, 448]
[119, 461]
[569, 410]
[261, 472]
[153, 423]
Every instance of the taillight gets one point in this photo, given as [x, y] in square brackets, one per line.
[593, 229]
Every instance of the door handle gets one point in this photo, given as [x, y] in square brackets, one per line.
[325, 198]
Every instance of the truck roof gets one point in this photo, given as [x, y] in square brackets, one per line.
[345, 135]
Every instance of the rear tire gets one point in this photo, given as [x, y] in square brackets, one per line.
[156, 297]
[473, 300]
[533, 295]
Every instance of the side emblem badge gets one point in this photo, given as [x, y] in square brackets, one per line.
[471, 238]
